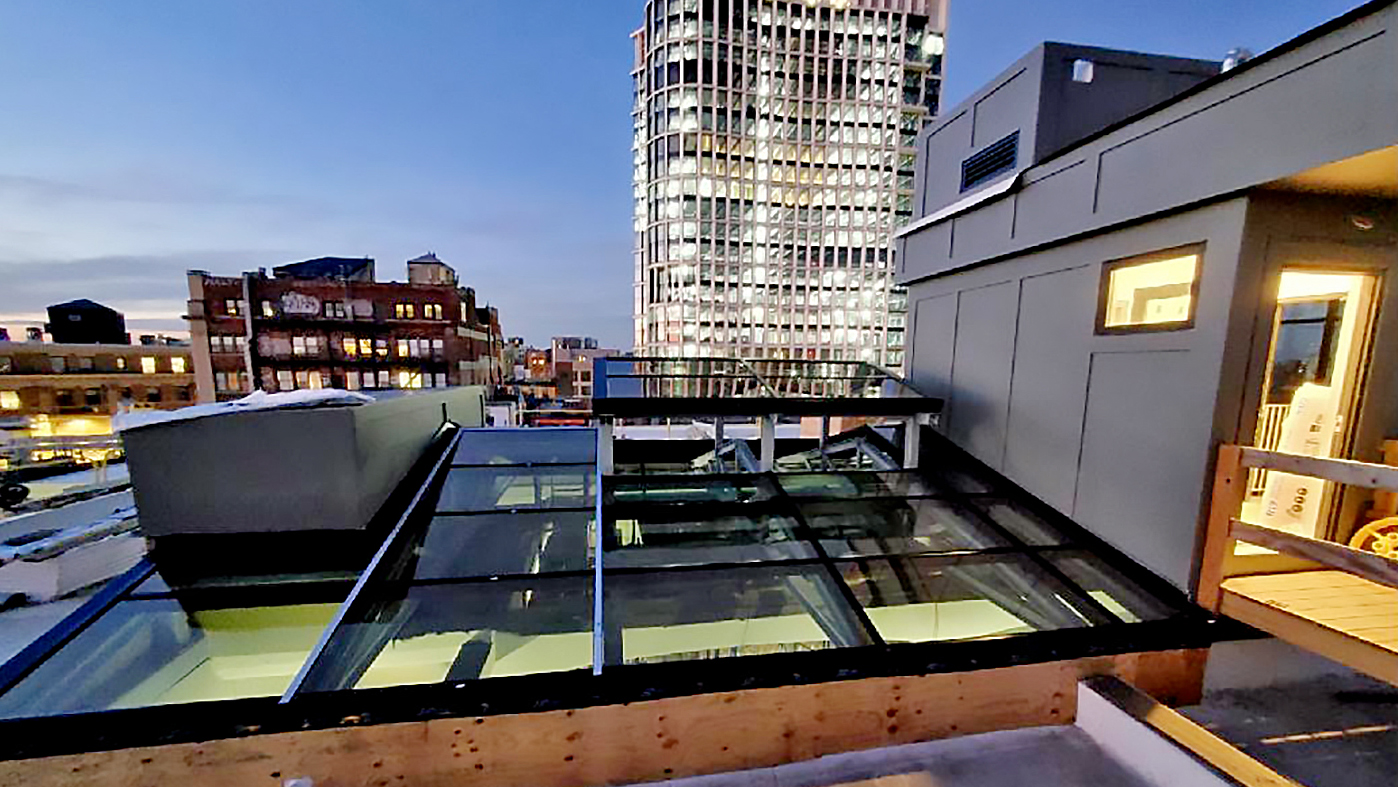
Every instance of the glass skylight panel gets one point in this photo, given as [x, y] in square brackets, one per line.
[848, 528]
[508, 487]
[460, 631]
[475, 545]
[690, 489]
[160, 651]
[1108, 586]
[537, 446]
[691, 535]
[855, 484]
[922, 599]
[1020, 521]
[708, 614]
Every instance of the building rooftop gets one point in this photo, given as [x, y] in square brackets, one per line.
[327, 268]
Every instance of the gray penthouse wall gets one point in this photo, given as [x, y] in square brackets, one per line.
[1119, 432]
[1115, 431]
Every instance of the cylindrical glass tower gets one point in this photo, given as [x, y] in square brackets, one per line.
[773, 156]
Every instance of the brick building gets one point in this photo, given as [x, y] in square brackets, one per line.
[326, 323]
[76, 388]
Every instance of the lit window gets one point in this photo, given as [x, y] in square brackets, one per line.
[177, 364]
[267, 309]
[366, 348]
[9, 400]
[233, 307]
[403, 311]
[383, 378]
[314, 381]
[148, 364]
[284, 381]
[1155, 292]
[121, 364]
[348, 345]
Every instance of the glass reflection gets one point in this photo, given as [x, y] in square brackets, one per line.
[848, 528]
[460, 631]
[157, 652]
[708, 614]
[533, 446]
[488, 488]
[925, 599]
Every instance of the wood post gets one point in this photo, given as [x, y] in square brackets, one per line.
[1226, 497]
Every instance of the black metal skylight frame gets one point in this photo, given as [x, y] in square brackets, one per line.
[1182, 626]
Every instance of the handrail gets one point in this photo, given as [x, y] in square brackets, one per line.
[1223, 528]
[1342, 471]
[1367, 565]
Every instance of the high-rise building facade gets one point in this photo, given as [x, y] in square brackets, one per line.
[773, 155]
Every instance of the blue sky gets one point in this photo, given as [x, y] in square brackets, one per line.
[142, 138]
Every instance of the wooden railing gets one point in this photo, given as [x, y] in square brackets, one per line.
[1292, 552]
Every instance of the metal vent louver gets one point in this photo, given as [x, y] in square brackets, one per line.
[987, 163]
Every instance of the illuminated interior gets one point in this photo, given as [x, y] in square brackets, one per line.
[1151, 293]
[1319, 335]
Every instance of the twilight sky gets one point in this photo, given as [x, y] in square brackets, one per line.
[142, 138]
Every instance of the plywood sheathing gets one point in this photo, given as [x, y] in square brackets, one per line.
[635, 742]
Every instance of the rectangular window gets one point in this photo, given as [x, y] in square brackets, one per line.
[148, 364]
[267, 309]
[381, 348]
[177, 364]
[403, 311]
[9, 400]
[298, 345]
[314, 380]
[366, 348]
[335, 309]
[233, 307]
[1151, 292]
[432, 311]
[440, 380]
[383, 378]
[121, 364]
[58, 364]
[348, 345]
[303, 380]
[352, 381]
[284, 381]
[437, 348]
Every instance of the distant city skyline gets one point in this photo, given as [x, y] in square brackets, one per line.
[142, 140]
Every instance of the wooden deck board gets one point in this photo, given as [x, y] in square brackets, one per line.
[1333, 613]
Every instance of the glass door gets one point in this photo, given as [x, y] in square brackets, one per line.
[1321, 330]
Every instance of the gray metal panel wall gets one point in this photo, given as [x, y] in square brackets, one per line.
[931, 345]
[1047, 383]
[1025, 336]
[1138, 484]
[1327, 100]
[981, 379]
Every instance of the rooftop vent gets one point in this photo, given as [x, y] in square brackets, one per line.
[1235, 57]
[993, 160]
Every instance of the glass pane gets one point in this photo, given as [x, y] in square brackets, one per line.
[495, 544]
[155, 652]
[924, 599]
[870, 527]
[463, 631]
[1121, 595]
[1150, 293]
[690, 535]
[525, 446]
[960, 480]
[491, 488]
[681, 615]
[1021, 522]
[687, 489]
[855, 484]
